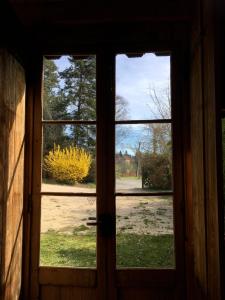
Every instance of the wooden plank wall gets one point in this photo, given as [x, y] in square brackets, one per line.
[197, 222]
[210, 132]
[12, 135]
[205, 211]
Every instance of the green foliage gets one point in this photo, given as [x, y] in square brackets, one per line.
[68, 165]
[53, 106]
[79, 94]
[91, 177]
[160, 141]
[51, 84]
[70, 95]
[156, 171]
[133, 250]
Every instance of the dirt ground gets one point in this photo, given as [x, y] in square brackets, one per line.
[141, 215]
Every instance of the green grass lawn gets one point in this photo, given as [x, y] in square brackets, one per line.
[133, 250]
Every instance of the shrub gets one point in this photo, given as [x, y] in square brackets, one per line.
[156, 171]
[68, 164]
[91, 176]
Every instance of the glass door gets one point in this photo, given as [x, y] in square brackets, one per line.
[143, 162]
[148, 164]
[106, 169]
[68, 190]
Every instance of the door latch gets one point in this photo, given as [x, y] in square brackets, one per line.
[105, 223]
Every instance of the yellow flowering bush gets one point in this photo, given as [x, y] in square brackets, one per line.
[68, 164]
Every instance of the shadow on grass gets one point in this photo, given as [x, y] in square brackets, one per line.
[67, 250]
[133, 250]
[78, 257]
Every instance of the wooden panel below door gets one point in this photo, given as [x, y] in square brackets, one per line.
[146, 278]
[67, 293]
[145, 294]
[67, 277]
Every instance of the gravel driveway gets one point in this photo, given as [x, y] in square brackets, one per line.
[143, 214]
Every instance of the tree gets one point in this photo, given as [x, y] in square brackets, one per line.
[160, 106]
[50, 86]
[79, 94]
[121, 108]
[71, 95]
[156, 172]
[53, 106]
[157, 154]
[121, 114]
[160, 102]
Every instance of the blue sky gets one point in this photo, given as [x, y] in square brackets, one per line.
[134, 79]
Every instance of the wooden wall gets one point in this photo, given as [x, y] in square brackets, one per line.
[204, 202]
[12, 135]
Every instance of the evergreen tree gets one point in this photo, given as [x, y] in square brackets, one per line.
[54, 107]
[79, 94]
[50, 87]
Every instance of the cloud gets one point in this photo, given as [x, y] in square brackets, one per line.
[134, 76]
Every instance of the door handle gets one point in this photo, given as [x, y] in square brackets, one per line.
[92, 223]
[105, 223]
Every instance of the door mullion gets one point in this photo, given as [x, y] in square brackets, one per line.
[110, 174]
[105, 175]
[36, 179]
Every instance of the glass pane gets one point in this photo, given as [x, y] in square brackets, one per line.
[66, 239]
[143, 158]
[69, 90]
[68, 163]
[145, 235]
[143, 87]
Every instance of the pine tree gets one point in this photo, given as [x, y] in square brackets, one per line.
[50, 86]
[79, 93]
[54, 107]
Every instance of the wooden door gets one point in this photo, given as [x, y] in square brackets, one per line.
[115, 230]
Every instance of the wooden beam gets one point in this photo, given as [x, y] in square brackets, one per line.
[33, 13]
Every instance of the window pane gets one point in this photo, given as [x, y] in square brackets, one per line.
[69, 154]
[66, 239]
[69, 91]
[143, 159]
[143, 87]
[145, 235]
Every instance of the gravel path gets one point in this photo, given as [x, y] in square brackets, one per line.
[142, 215]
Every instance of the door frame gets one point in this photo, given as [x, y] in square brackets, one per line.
[117, 279]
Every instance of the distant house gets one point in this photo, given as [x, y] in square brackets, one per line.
[126, 164]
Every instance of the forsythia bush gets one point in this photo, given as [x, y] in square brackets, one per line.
[68, 164]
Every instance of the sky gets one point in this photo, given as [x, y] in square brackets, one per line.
[135, 77]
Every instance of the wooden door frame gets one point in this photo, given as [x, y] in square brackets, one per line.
[159, 278]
